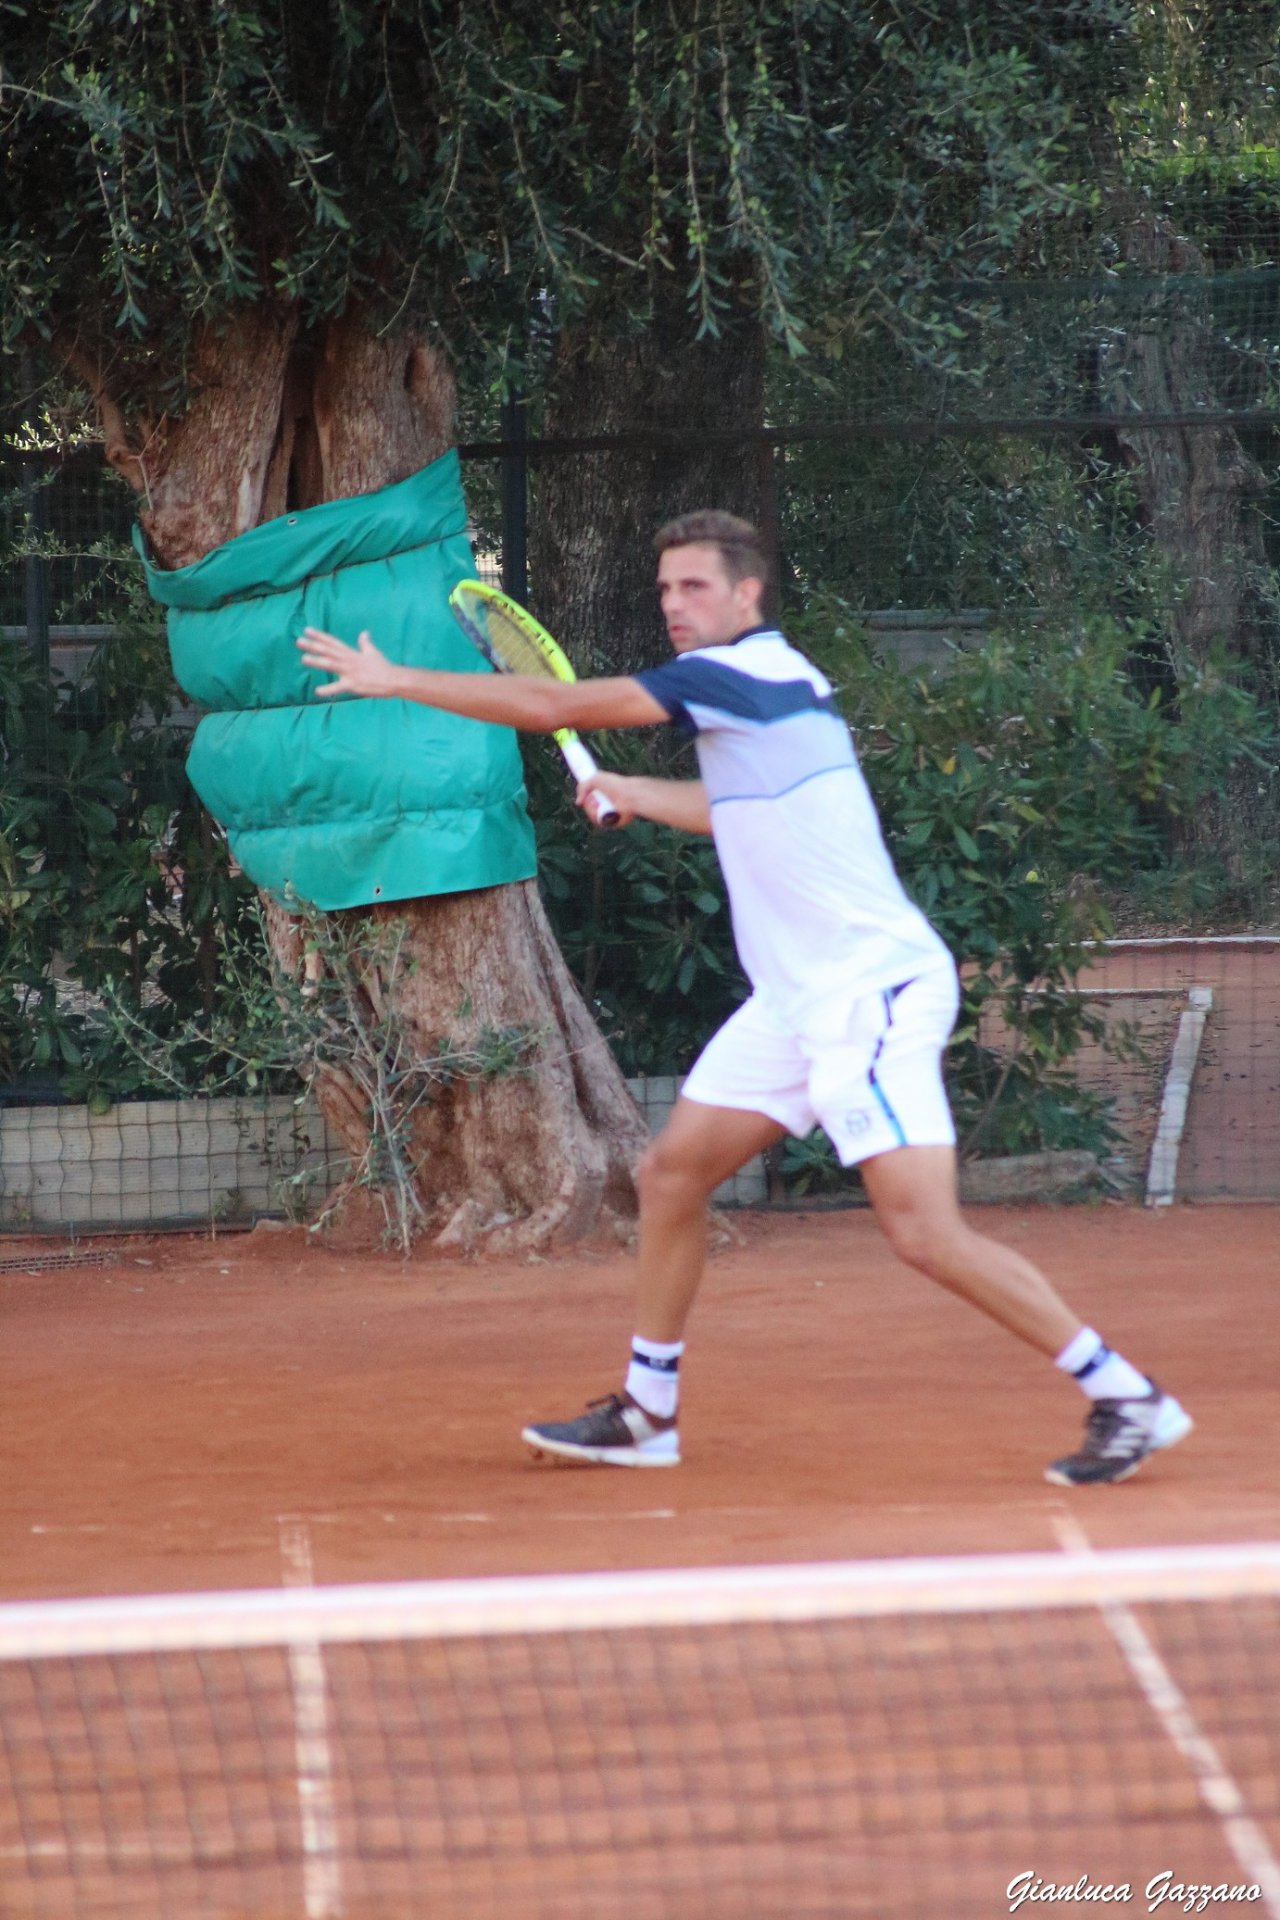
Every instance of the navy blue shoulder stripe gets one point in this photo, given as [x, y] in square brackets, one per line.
[680, 684]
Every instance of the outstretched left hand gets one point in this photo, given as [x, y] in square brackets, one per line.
[359, 669]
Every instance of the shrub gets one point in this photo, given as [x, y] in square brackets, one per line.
[113, 880]
[1018, 789]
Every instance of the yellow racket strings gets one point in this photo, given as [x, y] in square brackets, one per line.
[507, 641]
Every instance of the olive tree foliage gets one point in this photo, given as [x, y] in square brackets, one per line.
[463, 165]
[627, 206]
[1210, 82]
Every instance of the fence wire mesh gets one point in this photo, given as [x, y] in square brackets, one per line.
[1102, 452]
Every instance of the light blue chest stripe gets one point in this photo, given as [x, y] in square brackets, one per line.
[844, 766]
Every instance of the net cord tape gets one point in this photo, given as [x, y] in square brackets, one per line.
[693, 1597]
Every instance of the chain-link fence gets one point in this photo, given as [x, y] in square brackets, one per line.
[1090, 488]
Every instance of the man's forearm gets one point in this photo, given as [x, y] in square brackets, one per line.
[672, 803]
[526, 701]
[506, 700]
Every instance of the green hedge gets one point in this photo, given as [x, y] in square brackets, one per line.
[1021, 790]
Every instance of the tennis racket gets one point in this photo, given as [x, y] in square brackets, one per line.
[514, 642]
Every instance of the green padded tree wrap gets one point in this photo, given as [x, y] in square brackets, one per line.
[350, 801]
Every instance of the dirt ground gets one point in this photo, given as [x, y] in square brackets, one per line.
[252, 1412]
[168, 1419]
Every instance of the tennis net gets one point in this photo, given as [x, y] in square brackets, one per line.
[942, 1738]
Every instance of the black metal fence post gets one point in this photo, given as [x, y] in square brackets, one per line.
[768, 473]
[514, 484]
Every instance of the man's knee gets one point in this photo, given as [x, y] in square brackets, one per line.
[663, 1173]
[918, 1236]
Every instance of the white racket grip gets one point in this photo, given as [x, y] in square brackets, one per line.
[582, 766]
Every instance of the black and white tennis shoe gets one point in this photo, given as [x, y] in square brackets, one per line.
[1118, 1436]
[613, 1432]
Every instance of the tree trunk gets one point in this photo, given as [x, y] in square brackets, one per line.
[205, 474]
[1199, 488]
[1201, 493]
[535, 1155]
[593, 562]
[517, 1161]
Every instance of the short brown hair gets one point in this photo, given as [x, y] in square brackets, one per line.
[737, 541]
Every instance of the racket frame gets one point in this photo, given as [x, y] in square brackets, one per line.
[578, 758]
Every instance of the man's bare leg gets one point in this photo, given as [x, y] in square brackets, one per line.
[698, 1148]
[913, 1191]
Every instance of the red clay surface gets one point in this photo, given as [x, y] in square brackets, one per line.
[165, 1418]
[186, 1418]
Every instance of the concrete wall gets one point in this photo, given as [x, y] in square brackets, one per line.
[151, 1161]
[156, 1160]
[920, 640]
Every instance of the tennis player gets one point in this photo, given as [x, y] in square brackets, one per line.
[853, 993]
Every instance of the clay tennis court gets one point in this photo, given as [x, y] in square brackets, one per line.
[163, 1414]
[255, 1412]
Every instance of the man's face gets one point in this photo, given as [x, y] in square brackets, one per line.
[700, 604]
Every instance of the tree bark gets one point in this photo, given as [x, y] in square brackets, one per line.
[538, 1155]
[518, 1161]
[592, 555]
[1201, 493]
[1200, 490]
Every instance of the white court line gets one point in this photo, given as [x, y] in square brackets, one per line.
[1171, 1707]
[588, 1515]
[321, 1860]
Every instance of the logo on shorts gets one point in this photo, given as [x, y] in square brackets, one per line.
[857, 1122]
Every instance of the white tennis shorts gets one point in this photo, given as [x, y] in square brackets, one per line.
[868, 1070]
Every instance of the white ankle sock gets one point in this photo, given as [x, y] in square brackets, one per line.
[653, 1378]
[1099, 1372]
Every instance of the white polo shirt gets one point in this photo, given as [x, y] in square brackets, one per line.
[819, 913]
